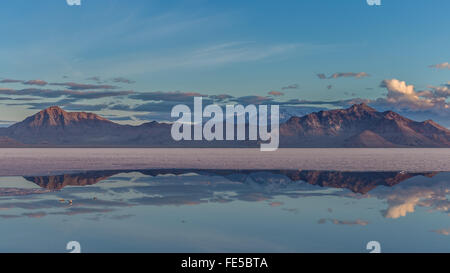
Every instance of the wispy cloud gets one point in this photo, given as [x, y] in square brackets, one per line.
[221, 97]
[245, 100]
[123, 80]
[50, 93]
[207, 56]
[36, 82]
[276, 93]
[445, 65]
[292, 86]
[81, 86]
[356, 75]
[445, 232]
[10, 81]
[357, 222]
[167, 96]
[94, 79]
[236, 52]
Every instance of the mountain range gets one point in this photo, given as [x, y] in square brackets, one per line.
[357, 182]
[361, 126]
[357, 126]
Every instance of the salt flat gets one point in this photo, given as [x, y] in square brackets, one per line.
[18, 162]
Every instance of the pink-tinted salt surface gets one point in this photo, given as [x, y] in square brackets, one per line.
[52, 161]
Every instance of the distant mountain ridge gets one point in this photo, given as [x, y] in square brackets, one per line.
[8, 142]
[357, 126]
[54, 126]
[55, 116]
[362, 126]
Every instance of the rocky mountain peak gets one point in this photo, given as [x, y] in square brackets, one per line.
[361, 109]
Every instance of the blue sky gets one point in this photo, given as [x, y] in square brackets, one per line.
[172, 50]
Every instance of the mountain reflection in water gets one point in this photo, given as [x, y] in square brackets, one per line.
[234, 202]
[357, 182]
[402, 191]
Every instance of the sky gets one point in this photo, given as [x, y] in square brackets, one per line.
[132, 61]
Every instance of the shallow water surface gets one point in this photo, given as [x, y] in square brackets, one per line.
[191, 210]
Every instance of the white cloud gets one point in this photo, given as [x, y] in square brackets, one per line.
[406, 206]
[404, 96]
[406, 197]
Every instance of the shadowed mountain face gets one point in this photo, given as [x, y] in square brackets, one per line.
[57, 182]
[357, 126]
[54, 126]
[361, 126]
[357, 182]
[8, 142]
